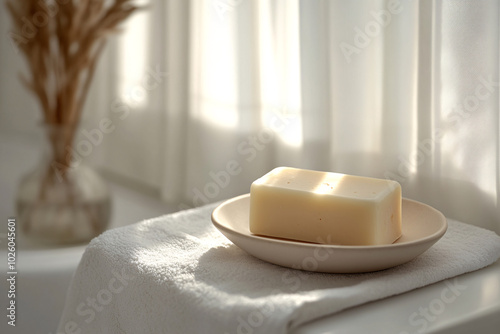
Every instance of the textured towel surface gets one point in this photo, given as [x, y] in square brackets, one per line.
[178, 274]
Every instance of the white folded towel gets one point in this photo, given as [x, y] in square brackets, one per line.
[178, 274]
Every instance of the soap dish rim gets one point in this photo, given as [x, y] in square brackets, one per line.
[407, 250]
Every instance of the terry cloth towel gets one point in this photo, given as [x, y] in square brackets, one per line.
[178, 274]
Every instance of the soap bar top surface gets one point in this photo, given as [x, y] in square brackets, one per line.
[317, 182]
[325, 207]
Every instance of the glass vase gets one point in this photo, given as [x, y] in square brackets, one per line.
[62, 201]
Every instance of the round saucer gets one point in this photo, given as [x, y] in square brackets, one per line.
[422, 227]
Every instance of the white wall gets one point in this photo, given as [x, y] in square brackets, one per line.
[19, 111]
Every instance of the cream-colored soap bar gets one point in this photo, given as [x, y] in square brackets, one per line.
[328, 208]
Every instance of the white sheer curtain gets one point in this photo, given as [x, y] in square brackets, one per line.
[406, 90]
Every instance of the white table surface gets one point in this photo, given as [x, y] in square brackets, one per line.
[474, 307]
[44, 275]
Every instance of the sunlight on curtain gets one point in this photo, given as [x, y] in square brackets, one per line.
[244, 98]
[470, 105]
[135, 74]
[217, 71]
[469, 111]
[132, 59]
[357, 80]
[404, 90]
[368, 84]
[279, 59]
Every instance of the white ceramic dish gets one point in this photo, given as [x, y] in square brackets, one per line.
[422, 227]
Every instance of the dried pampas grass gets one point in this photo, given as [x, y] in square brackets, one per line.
[61, 41]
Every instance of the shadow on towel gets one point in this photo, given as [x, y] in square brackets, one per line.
[227, 267]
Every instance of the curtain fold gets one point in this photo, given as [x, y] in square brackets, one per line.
[406, 90]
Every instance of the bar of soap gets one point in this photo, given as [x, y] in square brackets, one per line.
[326, 208]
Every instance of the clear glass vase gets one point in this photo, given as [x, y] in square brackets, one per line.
[62, 201]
